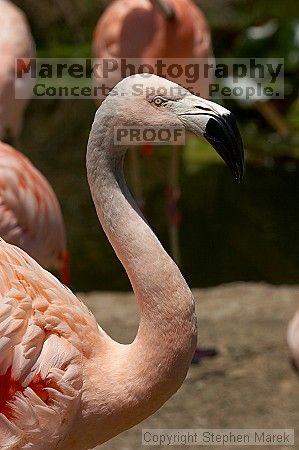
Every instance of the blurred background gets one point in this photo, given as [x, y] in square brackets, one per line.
[229, 232]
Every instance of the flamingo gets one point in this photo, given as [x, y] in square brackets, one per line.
[293, 339]
[15, 42]
[30, 215]
[64, 383]
[157, 29]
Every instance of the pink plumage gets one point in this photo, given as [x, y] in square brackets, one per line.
[44, 332]
[30, 216]
[139, 29]
[64, 383]
[136, 28]
[15, 42]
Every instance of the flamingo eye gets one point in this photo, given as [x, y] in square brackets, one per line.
[158, 101]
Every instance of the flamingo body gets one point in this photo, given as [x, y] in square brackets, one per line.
[138, 29]
[15, 42]
[64, 383]
[30, 216]
[44, 332]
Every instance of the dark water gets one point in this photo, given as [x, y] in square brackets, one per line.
[229, 231]
[243, 232]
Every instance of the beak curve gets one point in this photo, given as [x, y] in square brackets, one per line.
[222, 133]
[219, 127]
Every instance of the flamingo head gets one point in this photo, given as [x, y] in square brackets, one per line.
[146, 100]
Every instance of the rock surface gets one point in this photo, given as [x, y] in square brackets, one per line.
[250, 384]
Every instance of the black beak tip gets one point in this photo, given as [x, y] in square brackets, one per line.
[223, 134]
[240, 173]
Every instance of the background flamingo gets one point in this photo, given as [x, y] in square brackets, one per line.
[30, 216]
[15, 42]
[63, 382]
[155, 29]
[293, 339]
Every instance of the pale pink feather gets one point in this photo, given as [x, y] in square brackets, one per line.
[15, 42]
[44, 333]
[30, 216]
[137, 29]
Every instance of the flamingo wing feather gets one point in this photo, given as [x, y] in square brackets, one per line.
[45, 334]
[30, 216]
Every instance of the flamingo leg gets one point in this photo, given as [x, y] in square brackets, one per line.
[65, 271]
[136, 176]
[172, 209]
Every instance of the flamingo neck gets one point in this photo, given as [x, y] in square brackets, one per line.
[148, 371]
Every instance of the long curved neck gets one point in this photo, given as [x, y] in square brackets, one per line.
[148, 371]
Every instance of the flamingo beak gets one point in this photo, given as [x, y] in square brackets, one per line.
[219, 127]
[223, 134]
